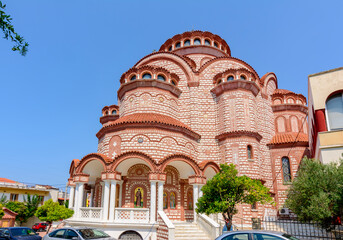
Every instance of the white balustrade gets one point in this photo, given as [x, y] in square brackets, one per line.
[91, 213]
[132, 215]
[208, 225]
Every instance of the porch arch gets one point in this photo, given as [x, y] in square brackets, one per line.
[103, 159]
[137, 157]
[181, 161]
[210, 169]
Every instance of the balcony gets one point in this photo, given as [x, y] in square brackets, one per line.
[121, 215]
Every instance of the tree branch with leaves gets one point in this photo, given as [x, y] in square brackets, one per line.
[52, 211]
[9, 33]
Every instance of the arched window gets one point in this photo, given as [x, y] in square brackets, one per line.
[281, 124]
[197, 41]
[219, 81]
[134, 77]
[147, 76]
[106, 113]
[172, 200]
[165, 200]
[215, 44]
[207, 43]
[170, 48]
[334, 109]
[243, 77]
[114, 112]
[161, 77]
[249, 152]
[286, 170]
[230, 78]
[177, 45]
[187, 43]
[173, 82]
[294, 124]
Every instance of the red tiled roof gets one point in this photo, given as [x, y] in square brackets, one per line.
[289, 137]
[6, 180]
[281, 91]
[150, 118]
[103, 156]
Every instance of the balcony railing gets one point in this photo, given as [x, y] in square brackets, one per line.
[132, 215]
[91, 213]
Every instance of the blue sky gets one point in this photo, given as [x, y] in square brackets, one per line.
[51, 100]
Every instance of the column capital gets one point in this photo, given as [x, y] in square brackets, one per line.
[81, 178]
[157, 176]
[71, 182]
[197, 180]
[111, 175]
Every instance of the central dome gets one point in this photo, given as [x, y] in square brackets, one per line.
[197, 42]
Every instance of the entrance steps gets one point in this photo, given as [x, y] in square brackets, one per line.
[189, 231]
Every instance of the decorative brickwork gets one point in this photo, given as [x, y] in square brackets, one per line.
[184, 110]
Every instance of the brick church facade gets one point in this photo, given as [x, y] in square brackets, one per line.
[182, 111]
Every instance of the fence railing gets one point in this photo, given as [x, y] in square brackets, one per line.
[303, 230]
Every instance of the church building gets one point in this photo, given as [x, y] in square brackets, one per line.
[182, 111]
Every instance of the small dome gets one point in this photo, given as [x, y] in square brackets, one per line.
[214, 44]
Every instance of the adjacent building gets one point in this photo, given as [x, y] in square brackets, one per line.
[182, 111]
[16, 191]
[325, 93]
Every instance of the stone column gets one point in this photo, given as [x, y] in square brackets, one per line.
[120, 193]
[152, 201]
[79, 197]
[200, 191]
[195, 199]
[75, 205]
[106, 200]
[112, 200]
[160, 196]
[71, 196]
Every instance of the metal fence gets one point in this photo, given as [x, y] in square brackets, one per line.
[303, 230]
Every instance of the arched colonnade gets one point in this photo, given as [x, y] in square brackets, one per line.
[133, 187]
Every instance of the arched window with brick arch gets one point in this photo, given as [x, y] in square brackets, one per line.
[286, 170]
[249, 152]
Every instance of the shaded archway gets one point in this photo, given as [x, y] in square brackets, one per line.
[130, 235]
